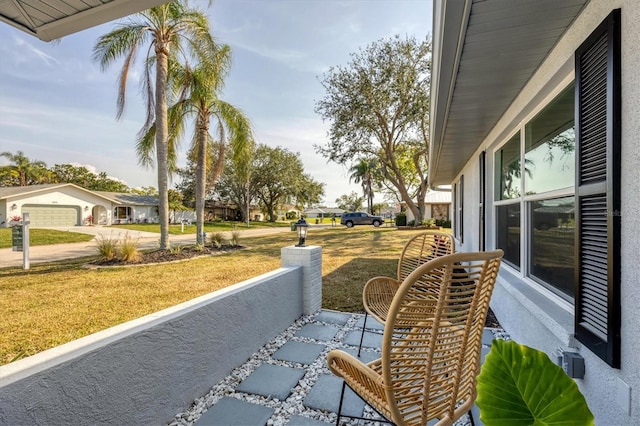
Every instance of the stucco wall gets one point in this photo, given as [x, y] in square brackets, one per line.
[144, 371]
[526, 310]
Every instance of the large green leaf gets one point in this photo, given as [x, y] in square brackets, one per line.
[519, 385]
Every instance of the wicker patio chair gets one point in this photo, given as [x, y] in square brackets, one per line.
[431, 344]
[378, 292]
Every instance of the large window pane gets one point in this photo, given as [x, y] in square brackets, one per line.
[508, 169]
[509, 232]
[552, 243]
[550, 146]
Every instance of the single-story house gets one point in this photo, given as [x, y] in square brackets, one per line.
[320, 212]
[535, 111]
[437, 205]
[66, 204]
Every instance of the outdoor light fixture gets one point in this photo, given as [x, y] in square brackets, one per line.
[302, 228]
[86, 208]
[14, 206]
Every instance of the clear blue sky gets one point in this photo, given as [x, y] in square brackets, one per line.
[58, 107]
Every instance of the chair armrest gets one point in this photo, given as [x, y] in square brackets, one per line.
[361, 377]
[377, 296]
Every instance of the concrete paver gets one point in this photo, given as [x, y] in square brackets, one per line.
[325, 395]
[273, 381]
[302, 353]
[234, 412]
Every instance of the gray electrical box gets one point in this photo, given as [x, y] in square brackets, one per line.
[573, 364]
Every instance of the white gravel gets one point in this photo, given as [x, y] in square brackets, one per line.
[284, 410]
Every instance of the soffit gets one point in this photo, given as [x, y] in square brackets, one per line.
[53, 19]
[486, 52]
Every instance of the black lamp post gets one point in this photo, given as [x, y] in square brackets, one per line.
[302, 228]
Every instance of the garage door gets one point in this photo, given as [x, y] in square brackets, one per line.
[52, 215]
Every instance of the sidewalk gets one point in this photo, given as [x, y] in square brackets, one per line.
[147, 241]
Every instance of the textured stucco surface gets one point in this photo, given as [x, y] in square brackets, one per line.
[146, 375]
[523, 309]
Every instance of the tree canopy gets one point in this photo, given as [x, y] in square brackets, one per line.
[23, 171]
[275, 177]
[378, 107]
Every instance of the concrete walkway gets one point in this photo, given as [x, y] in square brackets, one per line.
[147, 240]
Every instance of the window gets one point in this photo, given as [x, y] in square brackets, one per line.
[458, 209]
[482, 191]
[597, 198]
[508, 189]
[508, 238]
[549, 159]
[552, 243]
[550, 145]
[508, 169]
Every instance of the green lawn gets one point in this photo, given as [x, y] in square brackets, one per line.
[177, 229]
[40, 237]
[55, 303]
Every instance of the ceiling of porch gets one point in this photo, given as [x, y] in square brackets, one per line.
[53, 19]
[485, 51]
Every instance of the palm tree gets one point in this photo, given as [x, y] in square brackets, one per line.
[200, 100]
[23, 171]
[170, 30]
[362, 173]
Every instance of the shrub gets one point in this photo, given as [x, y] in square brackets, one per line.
[430, 222]
[411, 223]
[401, 219]
[291, 215]
[446, 224]
[129, 249]
[216, 239]
[175, 249]
[235, 238]
[107, 247]
[439, 222]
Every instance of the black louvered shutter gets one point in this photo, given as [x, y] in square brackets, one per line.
[597, 269]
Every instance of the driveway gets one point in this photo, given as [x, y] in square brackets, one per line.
[146, 241]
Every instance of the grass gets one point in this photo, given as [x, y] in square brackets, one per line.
[40, 237]
[178, 229]
[55, 303]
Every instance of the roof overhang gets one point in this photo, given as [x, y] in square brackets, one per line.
[484, 53]
[52, 19]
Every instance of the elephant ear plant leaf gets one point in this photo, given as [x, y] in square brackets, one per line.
[519, 385]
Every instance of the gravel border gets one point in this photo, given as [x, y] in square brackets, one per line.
[293, 405]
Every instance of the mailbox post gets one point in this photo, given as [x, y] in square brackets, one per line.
[20, 239]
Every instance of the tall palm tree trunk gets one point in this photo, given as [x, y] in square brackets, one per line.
[162, 146]
[201, 176]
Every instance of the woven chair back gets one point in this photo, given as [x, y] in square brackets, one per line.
[432, 338]
[421, 249]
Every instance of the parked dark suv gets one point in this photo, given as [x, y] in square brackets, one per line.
[360, 218]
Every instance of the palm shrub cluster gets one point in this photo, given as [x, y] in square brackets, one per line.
[216, 239]
[184, 71]
[110, 248]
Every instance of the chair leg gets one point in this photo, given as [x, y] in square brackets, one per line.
[344, 385]
[471, 418]
[364, 324]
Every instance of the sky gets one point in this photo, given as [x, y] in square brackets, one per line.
[57, 106]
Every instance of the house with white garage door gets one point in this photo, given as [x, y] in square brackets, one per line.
[66, 204]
